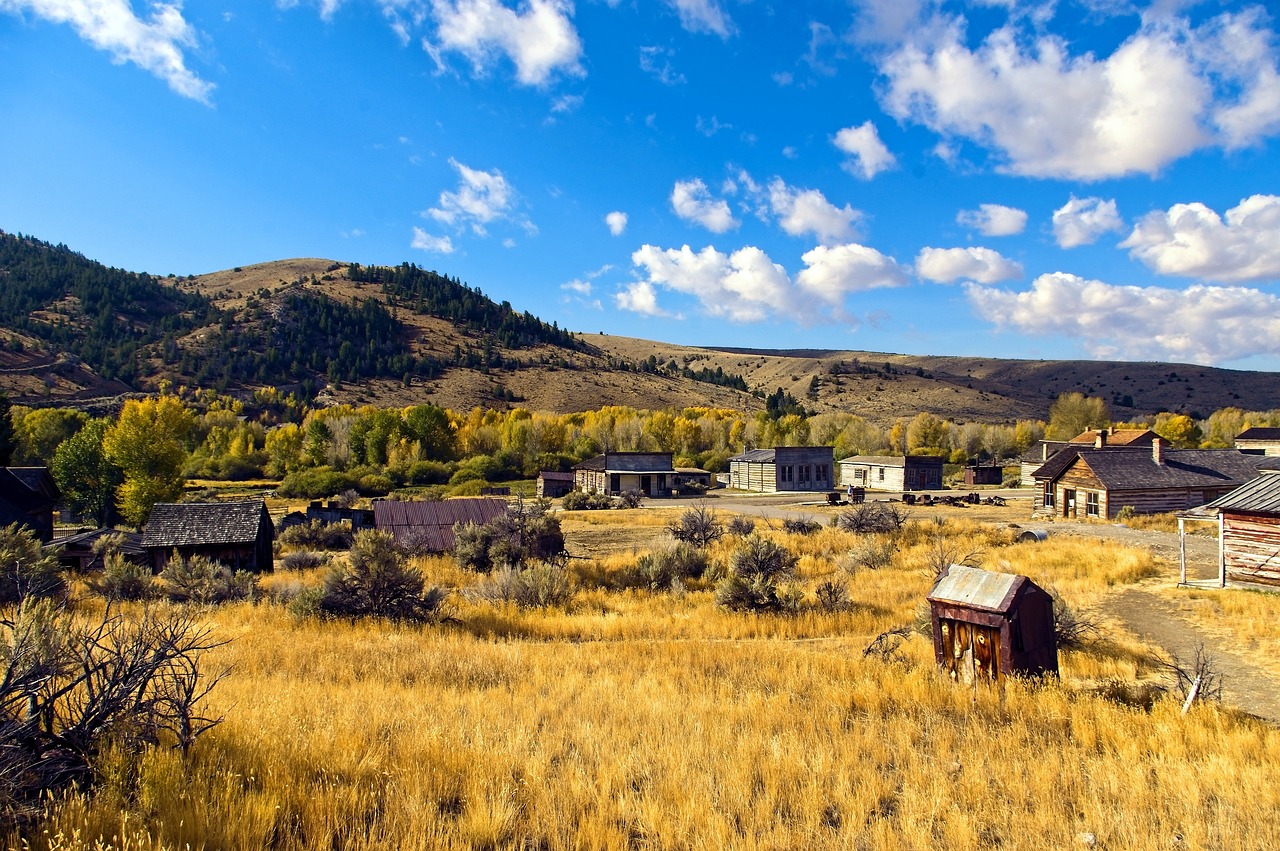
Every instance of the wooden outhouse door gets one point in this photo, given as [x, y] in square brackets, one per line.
[970, 652]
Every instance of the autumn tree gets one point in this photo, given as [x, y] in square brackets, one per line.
[87, 478]
[1074, 413]
[926, 434]
[38, 432]
[1179, 429]
[148, 443]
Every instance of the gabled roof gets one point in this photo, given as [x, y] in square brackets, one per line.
[1136, 469]
[1118, 436]
[629, 462]
[193, 524]
[1043, 450]
[555, 476]
[1259, 433]
[429, 525]
[131, 543]
[1260, 496]
[977, 588]
[28, 488]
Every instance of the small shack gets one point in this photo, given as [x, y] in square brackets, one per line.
[553, 484]
[79, 551]
[989, 625]
[983, 474]
[237, 534]
[27, 497]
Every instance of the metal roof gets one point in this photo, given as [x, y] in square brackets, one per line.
[977, 588]
[1260, 496]
[629, 462]
[191, 524]
[429, 525]
[755, 456]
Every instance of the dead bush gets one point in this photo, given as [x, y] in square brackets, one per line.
[538, 587]
[871, 517]
[698, 526]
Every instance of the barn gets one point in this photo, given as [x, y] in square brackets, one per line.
[237, 534]
[783, 468]
[27, 497]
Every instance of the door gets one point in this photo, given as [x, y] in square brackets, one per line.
[970, 652]
[1069, 503]
[645, 484]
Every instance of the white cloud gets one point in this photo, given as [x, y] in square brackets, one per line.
[639, 297]
[703, 16]
[1201, 324]
[1081, 221]
[482, 197]
[994, 220]
[945, 265]
[154, 45]
[656, 60]
[435, 244]
[578, 286]
[807, 211]
[692, 202]
[1167, 90]
[868, 154]
[747, 286]
[711, 126]
[540, 39]
[1193, 241]
[617, 222]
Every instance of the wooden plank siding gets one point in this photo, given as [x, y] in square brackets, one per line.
[1251, 547]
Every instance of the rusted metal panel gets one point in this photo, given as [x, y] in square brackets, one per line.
[430, 524]
[975, 588]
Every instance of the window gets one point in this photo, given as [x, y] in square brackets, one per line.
[911, 477]
[822, 472]
[786, 474]
[1048, 495]
[1091, 504]
[881, 469]
[804, 472]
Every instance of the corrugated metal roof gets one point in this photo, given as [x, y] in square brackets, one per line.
[755, 456]
[1261, 496]
[191, 524]
[972, 586]
[429, 525]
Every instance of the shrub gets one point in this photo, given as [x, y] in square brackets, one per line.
[871, 517]
[697, 526]
[761, 557]
[1071, 629]
[800, 526]
[662, 569]
[832, 595]
[315, 536]
[123, 580]
[870, 554]
[753, 580]
[537, 587]
[525, 532]
[741, 526]
[25, 569]
[585, 501]
[315, 483]
[304, 560]
[630, 499]
[378, 583]
[374, 484]
[202, 580]
[1125, 514]
[426, 473]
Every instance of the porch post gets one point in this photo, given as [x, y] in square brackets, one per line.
[1182, 551]
[1222, 552]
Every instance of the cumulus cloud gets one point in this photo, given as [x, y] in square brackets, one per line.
[945, 265]
[617, 222]
[1194, 241]
[807, 211]
[868, 155]
[639, 297]
[1169, 89]
[154, 45]
[747, 286]
[692, 202]
[1201, 324]
[994, 220]
[540, 39]
[1081, 221]
[435, 244]
[702, 16]
[481, 197]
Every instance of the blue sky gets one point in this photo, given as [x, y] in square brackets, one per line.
[1094, 179]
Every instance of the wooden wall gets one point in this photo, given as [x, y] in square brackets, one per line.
[1251, 546]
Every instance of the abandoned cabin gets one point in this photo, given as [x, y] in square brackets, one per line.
[1100, 482]
[427, 526]
[783, 468]
[613, 473]
[553, 484]
[989, 625]
[1249, 531]
[80, 551]
[27, 497]
[237, 534]
[892, 472]
[1101, 438]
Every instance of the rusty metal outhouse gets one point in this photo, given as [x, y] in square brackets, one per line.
[988, 625]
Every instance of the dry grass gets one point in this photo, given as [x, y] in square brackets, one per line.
[637, 720]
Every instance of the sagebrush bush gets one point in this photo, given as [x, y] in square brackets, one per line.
[123, 580]
[26, 571]
[800, 526]
[202, 580]
[585, 501]
[698, 526]
[526, 531]
[832, 595]
[871, 553]
[304, 560]
[538, 587]
[315, 536]
[630, 499]
[377, 582]
[662, 569]
[741, 526]
[870, 517]
[753, 584]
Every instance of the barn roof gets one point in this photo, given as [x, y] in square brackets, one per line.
[1260, 496]
[28, 487]
[629, 462]
[1259, 433]
[131, 543]
[191, 524]
[555, 476]
[429, 525]
[977, 588]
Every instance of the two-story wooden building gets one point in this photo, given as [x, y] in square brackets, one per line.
[783, 468]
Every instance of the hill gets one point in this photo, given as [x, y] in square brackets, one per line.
[73, 331]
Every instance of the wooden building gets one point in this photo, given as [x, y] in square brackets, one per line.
[614, 473]
[27, 497]
[1248, 531]
[1259, 441]
[552, 484]
[79, 551]
[427, 526]
[983, 474]
[1099, 483]
[237, 534]
[1102, 438]
[989, 625]
[892, 472]
[784, 468]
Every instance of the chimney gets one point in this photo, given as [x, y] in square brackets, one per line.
[1157, 452]
[1100, 439]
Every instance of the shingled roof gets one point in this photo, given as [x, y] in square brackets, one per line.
[1136, 469]
[1259, 433]
[193, 524]
[429, 525]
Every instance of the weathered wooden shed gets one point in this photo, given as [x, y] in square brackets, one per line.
[989, 625]
[78, 551]
[238, 534]
[983, 474]
[27, 497]
[1248, 532]
[553, 484]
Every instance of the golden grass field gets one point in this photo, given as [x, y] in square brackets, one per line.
[659, 721]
